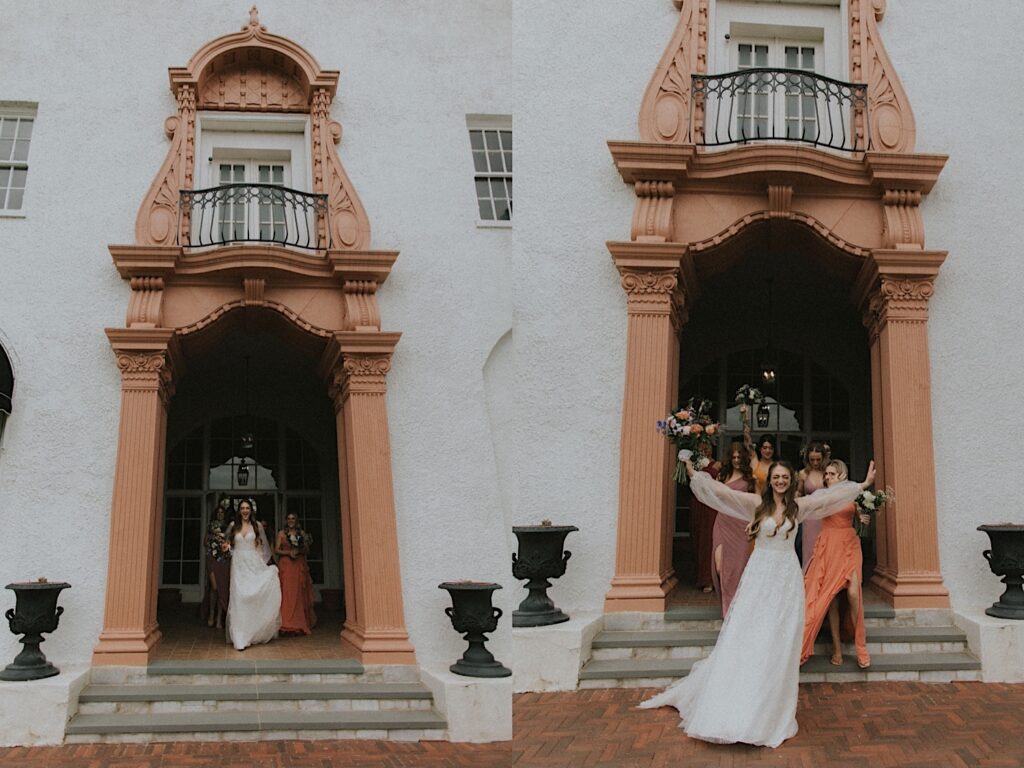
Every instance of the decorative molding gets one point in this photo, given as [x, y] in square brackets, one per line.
[157, 220]
[652, 214]
[187, 330]
[357, 362]
[807, 220]
[666, 110]
[254, 289]
[148, 360]
[146, 302]
[892, 127]
[896, 285]
[903, 225]
[362, 312]
[780, 201]
[347, 221]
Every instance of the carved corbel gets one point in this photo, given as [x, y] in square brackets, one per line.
[145, 306]
[665, 112]
[652, 215]
[254, 290]
[780, 201]
[892, 127]
[903, 225]
[362, 312]
[346, 222]
[157, 221]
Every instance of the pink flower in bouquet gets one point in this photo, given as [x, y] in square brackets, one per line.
[696, 429]
[712, 429]
[683, 415]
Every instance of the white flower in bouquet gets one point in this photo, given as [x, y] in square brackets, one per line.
[700, 462]
[868, 499]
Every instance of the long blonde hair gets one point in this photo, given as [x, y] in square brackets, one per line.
[767, 506]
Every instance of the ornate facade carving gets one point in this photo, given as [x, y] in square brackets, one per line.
[892, 127]
[655, 292]
[347, 222]
[780, 201]
[255, 290]
[157, 220]
[146, 302]
[665, 113]
[904, 227]
[652, 215]
[146, 371]
[361, 310]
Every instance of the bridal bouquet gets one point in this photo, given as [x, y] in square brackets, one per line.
[300, 540]
[216, 544]
[689, 427]
[748, 395]
[868, 503]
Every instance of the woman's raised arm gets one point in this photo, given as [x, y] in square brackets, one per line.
[828, 501]
[721, 497]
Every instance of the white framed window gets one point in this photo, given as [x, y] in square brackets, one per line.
[16, 123]
[770, 103]
[490, 142]
[242, 161]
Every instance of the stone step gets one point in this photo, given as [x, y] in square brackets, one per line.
[708, 637]
[709, 617]
[309, 696]
[943, 666]
[255, 672]
[232, 726]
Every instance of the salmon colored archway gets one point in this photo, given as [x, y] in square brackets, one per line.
[865, 204]
[328, 294]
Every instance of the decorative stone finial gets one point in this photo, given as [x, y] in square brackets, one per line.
[546, 523]
[254, 20]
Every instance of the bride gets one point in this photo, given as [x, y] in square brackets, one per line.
[746, 689]
[254, 612]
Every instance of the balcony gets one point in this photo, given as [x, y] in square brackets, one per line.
[778, 105]
[252, 213]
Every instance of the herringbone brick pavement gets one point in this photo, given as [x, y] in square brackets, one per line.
[875, 725]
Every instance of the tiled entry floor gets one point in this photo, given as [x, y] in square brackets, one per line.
[187, 638]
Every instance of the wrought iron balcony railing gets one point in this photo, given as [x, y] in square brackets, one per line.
[778, 105]
[252, 213]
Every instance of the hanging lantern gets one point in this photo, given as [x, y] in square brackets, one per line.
[768, 372]
[247, 441]
[763, 415]
[243, 473]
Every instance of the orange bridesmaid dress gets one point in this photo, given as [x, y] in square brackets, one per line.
[836, 555]
[297, 614]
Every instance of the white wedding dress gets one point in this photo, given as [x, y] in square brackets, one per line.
[746, 689]
[254, 608]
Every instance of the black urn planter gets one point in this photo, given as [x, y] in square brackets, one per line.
[473, 616]
[540, 558]
[35, 612]
[1006, 559]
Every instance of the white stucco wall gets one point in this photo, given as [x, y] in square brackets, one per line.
[409, 75]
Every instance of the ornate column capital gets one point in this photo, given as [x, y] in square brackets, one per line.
[149, 359]
[658, 278]
[357, 362]
[896, 285]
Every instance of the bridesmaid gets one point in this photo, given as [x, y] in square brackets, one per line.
[762, 460]
[837, 565]
[811, 479]
[218, 567]
[730, 543]
[292, 546]
[702, 523]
